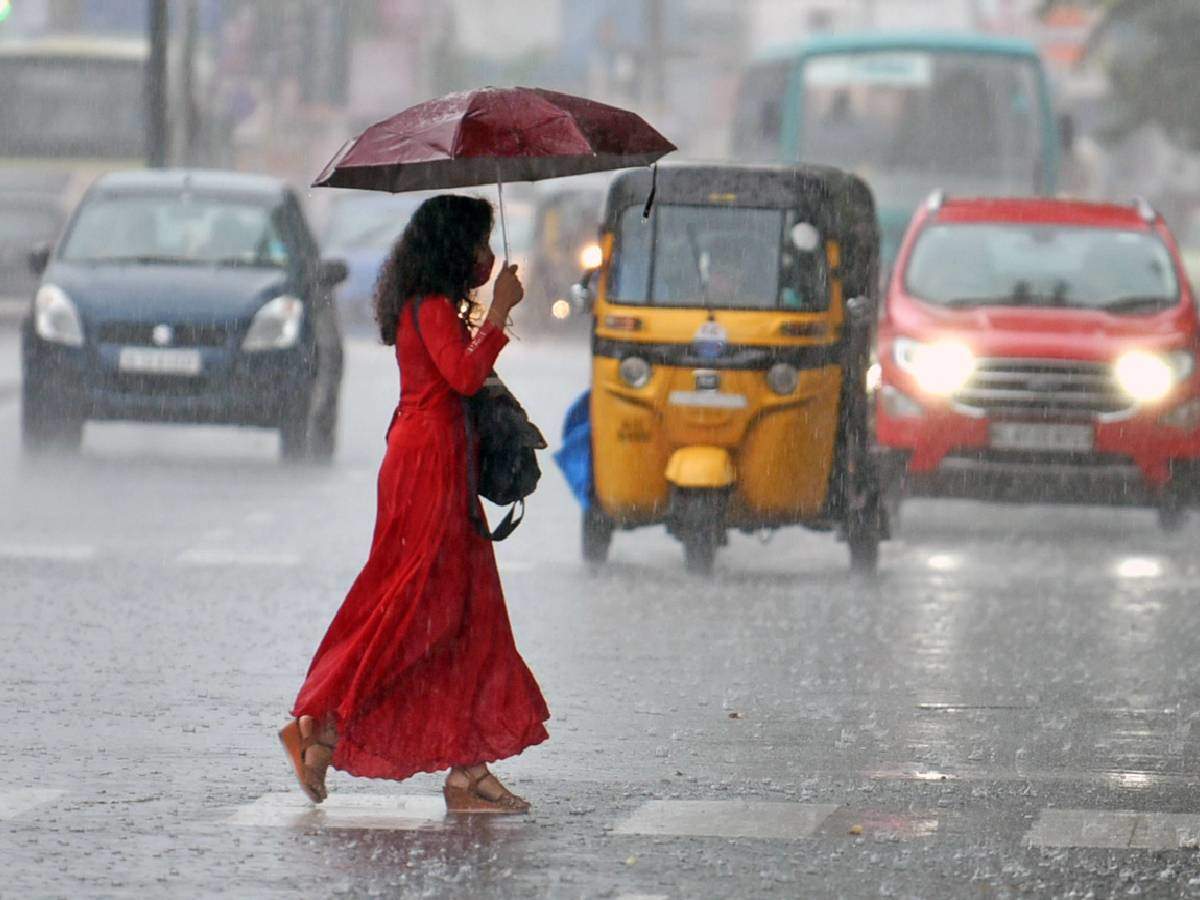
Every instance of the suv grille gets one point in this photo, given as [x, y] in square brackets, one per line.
[1043, 388]
[187, 334]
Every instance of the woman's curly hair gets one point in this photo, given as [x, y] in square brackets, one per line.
[434, 255]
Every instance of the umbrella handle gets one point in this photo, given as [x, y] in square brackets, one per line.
[503, 224]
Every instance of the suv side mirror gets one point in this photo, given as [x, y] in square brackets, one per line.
[332, 272]
[582, 296]
[39, 258]
[1066, 132]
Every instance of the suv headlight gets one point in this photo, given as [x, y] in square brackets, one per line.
[941, 368]
[1148, 377]
[276, 326]
[55, 317]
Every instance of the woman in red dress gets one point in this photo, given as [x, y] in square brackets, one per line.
[418, 671]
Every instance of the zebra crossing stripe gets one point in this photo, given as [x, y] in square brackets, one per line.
[727, 818]
[1117, 829]
[18, 802]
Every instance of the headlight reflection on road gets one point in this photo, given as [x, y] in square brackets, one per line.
[944, 562]
[1139, 567]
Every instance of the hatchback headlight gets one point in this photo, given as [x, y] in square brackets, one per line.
[940, 368]
[1148, 377]
[782, 378]
[276, 326]
[635, 371]
[55, 317]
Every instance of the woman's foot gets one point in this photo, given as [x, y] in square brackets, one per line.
[476, 790]
[310, 753]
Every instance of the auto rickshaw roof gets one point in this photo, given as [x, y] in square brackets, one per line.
[835, 198]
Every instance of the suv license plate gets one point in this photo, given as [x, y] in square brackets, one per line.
[1032, 436]
[153, 361]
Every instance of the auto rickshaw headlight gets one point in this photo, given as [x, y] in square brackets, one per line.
[635, 371]
[942, 368]
[782, 378]
[1148, 377]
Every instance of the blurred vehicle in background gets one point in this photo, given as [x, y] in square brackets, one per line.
[1040, 350]
[74, 108]
[360, 228]
[910, 113]
[565, 244]
[28, 218]
[181, 296]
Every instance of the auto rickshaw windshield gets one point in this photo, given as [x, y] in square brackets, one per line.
[721, 257]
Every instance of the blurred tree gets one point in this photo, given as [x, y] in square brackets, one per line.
[1149, 52]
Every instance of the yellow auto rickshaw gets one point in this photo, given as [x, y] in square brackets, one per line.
[730, 347]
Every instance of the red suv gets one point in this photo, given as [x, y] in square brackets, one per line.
[1040, 350]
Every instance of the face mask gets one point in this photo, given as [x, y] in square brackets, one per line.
[483, 270]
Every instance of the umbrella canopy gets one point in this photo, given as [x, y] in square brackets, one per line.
[493, 135]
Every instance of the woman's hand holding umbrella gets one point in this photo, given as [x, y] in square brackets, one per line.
[507, 292]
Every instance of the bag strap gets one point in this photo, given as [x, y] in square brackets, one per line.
[510, 522]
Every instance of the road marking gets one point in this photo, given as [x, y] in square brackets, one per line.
[201, 556]
[1119, 829]
[727, 818]
[16, 803]
[388, 812]
[49, 552]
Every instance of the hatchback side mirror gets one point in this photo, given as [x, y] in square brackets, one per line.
[332, 272]
[39, 258]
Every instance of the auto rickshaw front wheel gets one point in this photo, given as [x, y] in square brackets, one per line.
[597, 532]
[698, 520]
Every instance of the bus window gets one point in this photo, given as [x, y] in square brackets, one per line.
[951, 115]
[71, 107]
[758, 118]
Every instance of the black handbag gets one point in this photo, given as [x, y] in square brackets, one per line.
[506, 470]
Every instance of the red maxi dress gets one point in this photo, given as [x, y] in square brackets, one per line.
[418, 667]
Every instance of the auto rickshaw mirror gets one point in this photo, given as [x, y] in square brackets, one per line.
[583, 298]
[833, 255]
[805, 237]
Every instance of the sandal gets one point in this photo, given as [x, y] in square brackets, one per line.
[309, 757]
[470, 799]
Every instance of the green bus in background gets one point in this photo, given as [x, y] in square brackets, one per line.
[910, 113]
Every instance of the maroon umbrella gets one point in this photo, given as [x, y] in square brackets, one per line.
[493, 134]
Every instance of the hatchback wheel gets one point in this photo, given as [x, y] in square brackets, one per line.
[46, 426]
[294, 431]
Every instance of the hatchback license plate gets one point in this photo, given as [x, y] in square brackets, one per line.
[1032, 436]
[153, 361]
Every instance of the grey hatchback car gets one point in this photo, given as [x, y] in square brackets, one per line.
[184, 296]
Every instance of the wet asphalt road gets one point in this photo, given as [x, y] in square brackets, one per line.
[1010, 709]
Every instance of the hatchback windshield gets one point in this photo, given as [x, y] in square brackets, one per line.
[714, 256]
[178, 229]
[1042, 265]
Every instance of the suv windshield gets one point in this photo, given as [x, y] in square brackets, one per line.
[181, 229]
[708, 256]
[1042, 265]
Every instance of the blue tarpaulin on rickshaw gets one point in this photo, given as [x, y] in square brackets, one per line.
[574, 457]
